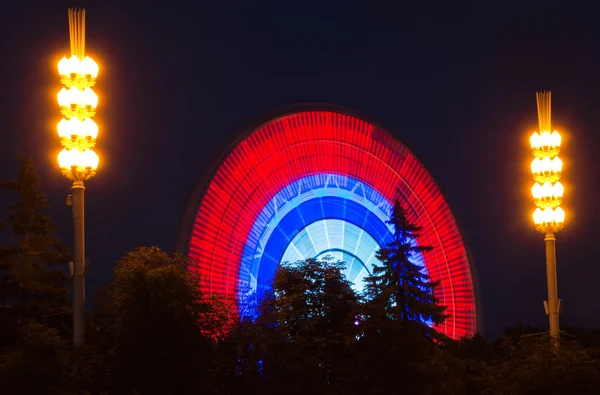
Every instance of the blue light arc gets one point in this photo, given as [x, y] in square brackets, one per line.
[368, 203]
[303, 202]
[342, 241]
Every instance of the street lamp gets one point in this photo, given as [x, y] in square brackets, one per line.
[547, 193]
[78, 161]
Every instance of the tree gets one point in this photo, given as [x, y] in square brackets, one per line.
[33, 282]
[399, 289]
[302, 339]
[39, 364]
[151, 327]
[533, 366]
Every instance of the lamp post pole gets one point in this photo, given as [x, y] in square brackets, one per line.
[553, 302]
[78, 263]
[78, 161]
[548, 192]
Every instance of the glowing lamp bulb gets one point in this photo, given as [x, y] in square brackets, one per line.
[89, 159]
[89, 98]
[68, 67]
[546, 165]
[534, 140]
[555, 139]
[69, 128]
[538, 216]
[63, 98]
[537, 191]
[558, 190]
[559, 216]
[536, 166]
[63, 67]
[81, 160]
[63, 128]
[545, 139]
[67, 158]
[557, 165]
[547, 190]
[74, 65]
[69, 97]
[89, 128]
[548, 215]
[89, 68]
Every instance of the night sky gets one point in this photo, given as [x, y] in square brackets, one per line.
[456, 84]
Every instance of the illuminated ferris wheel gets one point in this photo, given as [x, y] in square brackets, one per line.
[321, 183]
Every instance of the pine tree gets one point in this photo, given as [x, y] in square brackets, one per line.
[32, 285]
[399, 289]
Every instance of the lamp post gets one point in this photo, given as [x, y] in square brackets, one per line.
[78, 161]
[548, 192]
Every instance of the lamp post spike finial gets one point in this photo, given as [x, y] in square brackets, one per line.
[77, 31]
[544, 107]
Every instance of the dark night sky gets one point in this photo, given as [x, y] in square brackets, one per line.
[455, 83]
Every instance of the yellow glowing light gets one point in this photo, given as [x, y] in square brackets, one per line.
[555, 139]
[557, 165]
[546, 169]
[90, 159]
[76, 128]
[558, 190]
[78, 102]
[73, 67]
[89, 129]
[536, 166]
[538, 216]
[63, 67]
[548, 194]
[68, 67]
[69, 97]
[559, 215]
[545, 139]
[537, 191]
[535, 141]
[546, 165]
[545, 143]
[89, 98]
[65, 159]
[74, 97]
[82, 161]
[65, 127]
[89, 68]
[74, 64]
[547, 190]
[64, 98]
[549, 216]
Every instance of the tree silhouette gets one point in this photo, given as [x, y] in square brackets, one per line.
[33, 281]
[302, 338]
[154, 320]
[399, 289]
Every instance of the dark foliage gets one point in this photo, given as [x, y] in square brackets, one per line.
[39, 364]
[153, 328]
[33, 278]
[534, 366]
[303, 338]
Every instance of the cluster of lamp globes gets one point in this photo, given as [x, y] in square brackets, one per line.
[547, 191]
[77, 130]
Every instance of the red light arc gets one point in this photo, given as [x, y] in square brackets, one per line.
[322, 141]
